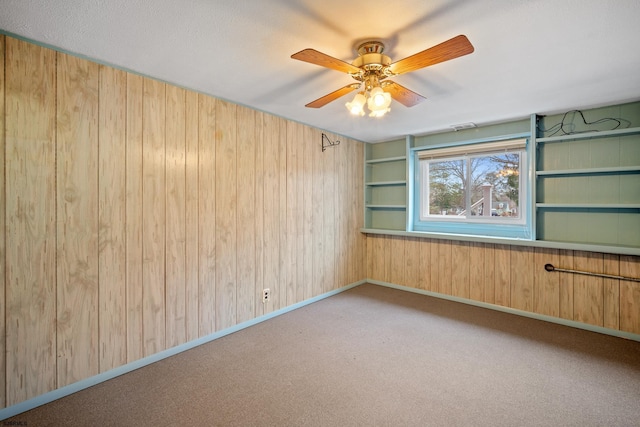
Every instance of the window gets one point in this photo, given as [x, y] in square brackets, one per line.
[477, 189]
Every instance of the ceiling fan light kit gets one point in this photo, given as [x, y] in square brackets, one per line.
[356, 107]
[371, 69]
[378, 102]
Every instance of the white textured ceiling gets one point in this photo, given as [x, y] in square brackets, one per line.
[531, 56]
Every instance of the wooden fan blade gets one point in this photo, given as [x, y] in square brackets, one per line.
[321, 102]
[451, 49]
[318, 58]
[401, 94]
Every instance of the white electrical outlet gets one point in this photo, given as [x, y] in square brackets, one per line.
[266, 295]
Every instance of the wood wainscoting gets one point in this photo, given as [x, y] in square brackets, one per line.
[513, 277]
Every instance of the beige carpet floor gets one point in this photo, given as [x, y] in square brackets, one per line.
[375, 356]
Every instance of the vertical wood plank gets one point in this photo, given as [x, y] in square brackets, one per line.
[112, 273]
[546, 297]
[489, 273]
[291, 233]
[348, 258]
[328, 212]
[629, 295]
[565, 260]
[30, 221]
[611, 292]
[271, 242]
[259, 215]
[246, 235]
[207, 213]
[299, 212]
[77, 219]
[587, 290]
[412, 262]
[175, 214]
[460, 269]
[369, 257]
[379, 259]
[154, 216]
[226, 211]
[279, 297]
[317, 193]
[477, 268]
[3, 212]
[307, 212]
[134, 217]
[502, 275]
[434, 267]
[375, 252]
[522, 278]
[358, 208]
[424, 275]
[397, 261]
[340, 226]
[444, 267]
[192, 216]
[353, 234]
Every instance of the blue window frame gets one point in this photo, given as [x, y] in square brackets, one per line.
[479, 189]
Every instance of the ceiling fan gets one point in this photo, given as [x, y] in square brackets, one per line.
[371, 69]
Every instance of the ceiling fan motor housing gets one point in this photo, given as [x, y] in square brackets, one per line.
[370, 46]
[372, 62]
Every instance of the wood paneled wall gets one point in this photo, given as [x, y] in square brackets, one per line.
[514, 277]
[136, 216]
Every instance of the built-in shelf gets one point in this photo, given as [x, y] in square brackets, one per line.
[573, 182]
[588, 205]
[387, 159]
[386, 183]
[577, 175]
[591, 171]
[395, 207]
[590, 135]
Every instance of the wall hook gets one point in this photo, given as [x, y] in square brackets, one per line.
[328, 142]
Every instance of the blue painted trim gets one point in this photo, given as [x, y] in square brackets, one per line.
[410, 183]
[533, 182]
[550, 319]
[523, 230]
[43, 399]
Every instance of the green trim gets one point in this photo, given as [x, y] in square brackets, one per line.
[551, 319]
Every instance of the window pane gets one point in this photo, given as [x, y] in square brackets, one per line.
[475, 191]
[495, 185]
[446, 187]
